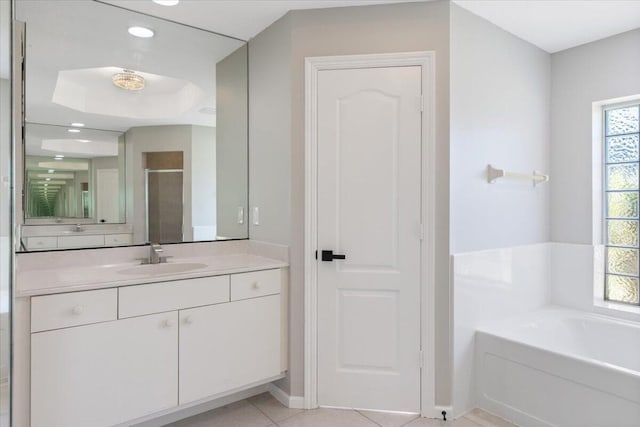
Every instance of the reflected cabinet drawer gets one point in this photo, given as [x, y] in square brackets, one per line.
[42, 242]
[255, 284]
[73, 309]
[117, 239]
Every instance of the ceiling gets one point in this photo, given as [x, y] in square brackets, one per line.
[71, 57]
[552, 25]
[555, 25]
[243, 19]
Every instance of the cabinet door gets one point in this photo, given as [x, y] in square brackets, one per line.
[227, 346]
[104, 374]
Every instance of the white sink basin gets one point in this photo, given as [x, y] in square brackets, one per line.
[168, 268]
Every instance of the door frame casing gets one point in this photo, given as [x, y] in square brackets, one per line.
[313, 65]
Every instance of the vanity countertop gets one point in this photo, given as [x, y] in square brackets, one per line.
[82, 278]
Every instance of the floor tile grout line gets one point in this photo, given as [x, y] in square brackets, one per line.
[373, 421]
[261, 411]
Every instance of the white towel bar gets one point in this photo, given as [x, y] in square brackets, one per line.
[494, 173]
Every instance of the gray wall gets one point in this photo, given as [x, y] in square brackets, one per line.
[598, 71]
[150, 139]
[231, 143]
[500, 95]
[203, 180]
[277, 140]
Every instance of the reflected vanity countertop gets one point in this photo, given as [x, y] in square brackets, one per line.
[81, 278]
[69, 230]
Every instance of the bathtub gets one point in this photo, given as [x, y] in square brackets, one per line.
[559, 367]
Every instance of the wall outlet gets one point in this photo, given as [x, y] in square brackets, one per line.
[240, 215]
[256, 215]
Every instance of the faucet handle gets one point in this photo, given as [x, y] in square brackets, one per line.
[156, 247]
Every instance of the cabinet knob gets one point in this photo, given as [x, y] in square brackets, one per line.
[256, 285]
[77, 310]
[188, 320]
[168, 323]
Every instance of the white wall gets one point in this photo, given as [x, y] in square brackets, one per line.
[602, 70]
[277, 137]
[500, 95]
[490, 286]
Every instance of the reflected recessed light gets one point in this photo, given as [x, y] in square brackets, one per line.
[51, 171]
[46, 185]
[167, 2]
[59, 156]
[78, 125]
[73, 130]
[142, 32]
[47, 179]
[83, 140]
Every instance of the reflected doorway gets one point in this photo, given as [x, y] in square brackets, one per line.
[164, 196]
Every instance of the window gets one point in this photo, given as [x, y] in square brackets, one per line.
[622, 191]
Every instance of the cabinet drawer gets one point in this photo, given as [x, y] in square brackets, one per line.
[255, 284]
[73, 309]
[117, 239]
[158, 297]
[42, 242]
[80, 241]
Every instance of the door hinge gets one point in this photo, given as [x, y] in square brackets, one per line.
[421, 103]
[421, 359]
[421, 233]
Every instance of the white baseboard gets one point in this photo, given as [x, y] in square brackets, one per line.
[293, 402]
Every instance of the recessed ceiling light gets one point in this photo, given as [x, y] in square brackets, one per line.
[142, 32]
[167, 2]
[83, 140]
[59, 156]
[73, 130]
[78, 125]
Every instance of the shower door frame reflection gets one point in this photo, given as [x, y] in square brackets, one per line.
[146, 197]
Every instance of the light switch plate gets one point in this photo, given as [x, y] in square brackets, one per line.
[256, 215]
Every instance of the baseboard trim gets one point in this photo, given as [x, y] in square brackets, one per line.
[293, 402]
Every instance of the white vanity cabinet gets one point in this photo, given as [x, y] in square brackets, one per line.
[152, 347]
[227, 346]
[105, 373]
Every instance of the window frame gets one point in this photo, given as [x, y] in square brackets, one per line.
[605, 201]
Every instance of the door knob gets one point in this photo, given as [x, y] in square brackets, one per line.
[77, 310]
[330, 256]
[168, 323]
[188, 320]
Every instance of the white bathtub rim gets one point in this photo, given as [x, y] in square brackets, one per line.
[497, 329]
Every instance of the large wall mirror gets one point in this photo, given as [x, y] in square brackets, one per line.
[135, 129]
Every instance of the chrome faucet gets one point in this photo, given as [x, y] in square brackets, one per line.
[154, 254]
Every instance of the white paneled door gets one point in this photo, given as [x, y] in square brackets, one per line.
[369, 210]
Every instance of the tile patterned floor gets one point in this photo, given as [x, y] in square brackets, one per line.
[265, 411]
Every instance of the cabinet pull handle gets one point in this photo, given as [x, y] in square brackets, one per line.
[256, 285]
[188, 320]
[168, 323]
[77, 310]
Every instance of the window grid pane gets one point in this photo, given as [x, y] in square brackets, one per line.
[622, 208]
